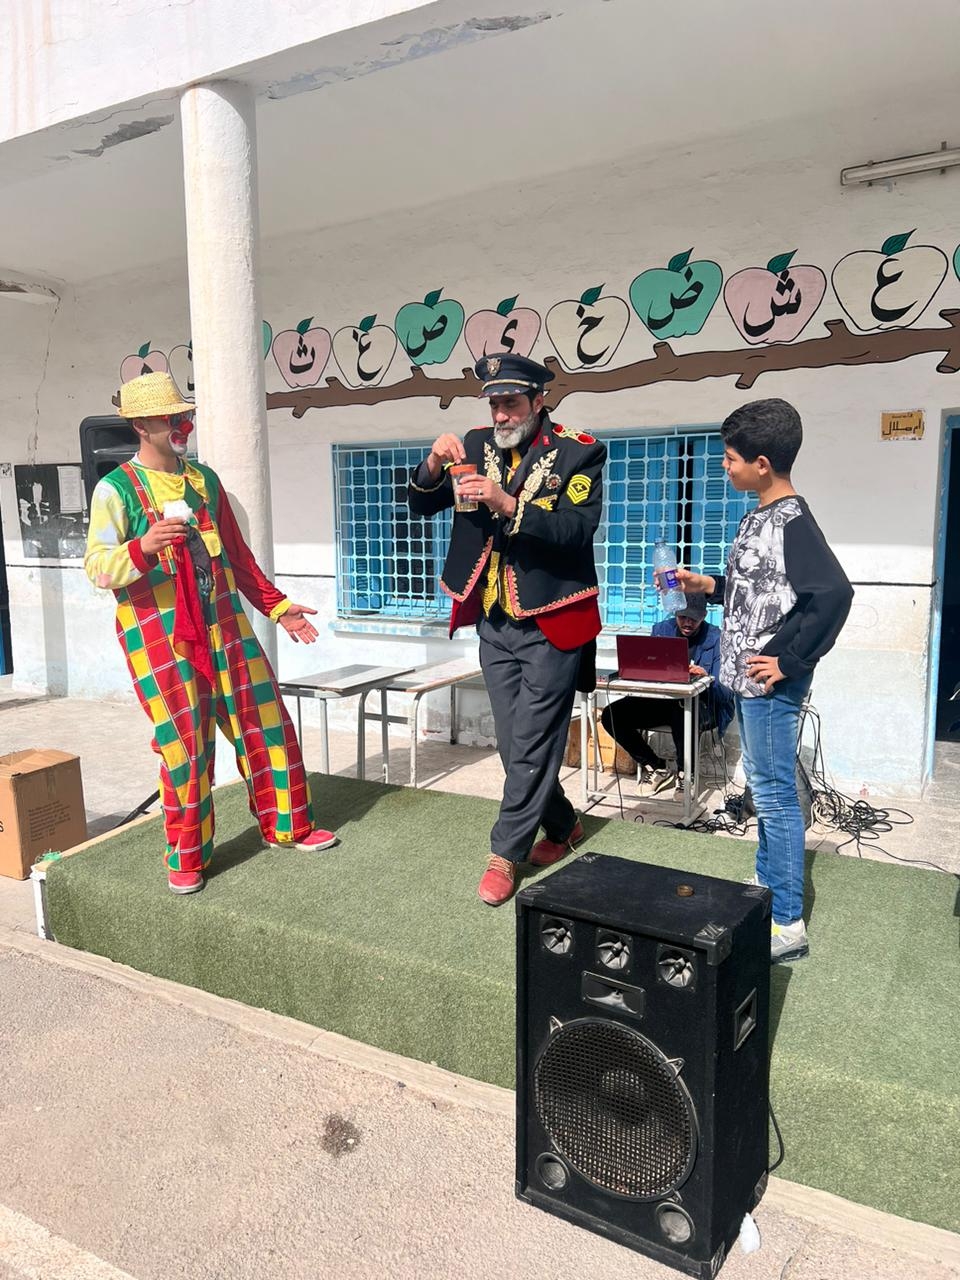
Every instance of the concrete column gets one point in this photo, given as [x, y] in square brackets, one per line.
[218, 122]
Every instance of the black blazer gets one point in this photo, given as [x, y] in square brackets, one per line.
[547, 547]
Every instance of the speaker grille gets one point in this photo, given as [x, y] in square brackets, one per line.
[611, 1104]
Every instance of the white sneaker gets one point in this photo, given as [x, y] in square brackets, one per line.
[678, 790]
[788, 942]
[645, 778]
[662, 780]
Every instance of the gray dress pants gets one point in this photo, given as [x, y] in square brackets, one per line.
[531, 685]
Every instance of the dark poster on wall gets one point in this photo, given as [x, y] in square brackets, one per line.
[53, 518]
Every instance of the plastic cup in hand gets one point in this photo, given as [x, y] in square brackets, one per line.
[458, 470]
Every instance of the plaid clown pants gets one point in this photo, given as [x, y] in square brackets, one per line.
[185, 712]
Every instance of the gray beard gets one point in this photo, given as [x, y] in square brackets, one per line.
[510, 437]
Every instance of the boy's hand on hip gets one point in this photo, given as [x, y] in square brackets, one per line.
[765, 670]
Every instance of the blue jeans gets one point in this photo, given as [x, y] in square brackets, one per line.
[768, 741]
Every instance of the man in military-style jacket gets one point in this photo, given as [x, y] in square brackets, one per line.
[521, 566]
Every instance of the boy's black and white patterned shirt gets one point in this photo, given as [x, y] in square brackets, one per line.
[784, 594]
[758, 595]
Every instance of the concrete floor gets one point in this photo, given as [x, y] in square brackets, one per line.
[279, 1151]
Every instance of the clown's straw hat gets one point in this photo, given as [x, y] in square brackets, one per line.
[152, 395]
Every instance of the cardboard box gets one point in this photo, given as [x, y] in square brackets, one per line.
[626, 766]
[41, 807]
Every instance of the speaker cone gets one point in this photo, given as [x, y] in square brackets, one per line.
[613, 1105]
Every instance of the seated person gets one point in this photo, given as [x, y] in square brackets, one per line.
[628, 719]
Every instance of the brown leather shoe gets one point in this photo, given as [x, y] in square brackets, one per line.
[546, 852]
[498, 881]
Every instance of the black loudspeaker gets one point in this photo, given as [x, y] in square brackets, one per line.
[104, 444]
[642, 1081]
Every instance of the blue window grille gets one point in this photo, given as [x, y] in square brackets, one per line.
[388, 560]
[668, 484]
[661, 484]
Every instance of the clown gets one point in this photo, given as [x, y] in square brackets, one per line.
[164, 539]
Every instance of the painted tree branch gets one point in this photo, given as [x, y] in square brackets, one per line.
[839, 347]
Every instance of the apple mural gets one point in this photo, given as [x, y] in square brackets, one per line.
[889, 288]
[302, 353]
[145, 361]
[428, 330]
[587, 331]
[508, 330]
[364, 352]
[675, 301]
[775, 303]
[181, 366]
[956, 261]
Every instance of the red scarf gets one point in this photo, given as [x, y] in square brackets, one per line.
[190, 638]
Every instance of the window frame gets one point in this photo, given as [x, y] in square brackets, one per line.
[625, 606]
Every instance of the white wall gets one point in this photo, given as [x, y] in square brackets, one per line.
[60, 60]
[738, 203]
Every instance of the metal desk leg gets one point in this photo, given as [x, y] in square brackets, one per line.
[688, 705]
[592, 702]
[362, 736]
[324, 735]
[415, 737]
[299, 724]
[696, 742]
[454, 726]
[384, 735]
[584, 762]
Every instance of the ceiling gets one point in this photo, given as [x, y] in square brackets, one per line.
[458, 97]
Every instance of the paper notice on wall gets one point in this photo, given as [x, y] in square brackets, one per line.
[71, 488]
[907, 425]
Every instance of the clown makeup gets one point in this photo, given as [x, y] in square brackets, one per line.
[181, 427]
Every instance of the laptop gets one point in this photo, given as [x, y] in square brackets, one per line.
[660, 658]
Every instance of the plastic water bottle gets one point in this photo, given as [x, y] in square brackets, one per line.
[665, 567]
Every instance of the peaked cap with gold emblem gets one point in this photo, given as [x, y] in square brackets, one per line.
[508, 375]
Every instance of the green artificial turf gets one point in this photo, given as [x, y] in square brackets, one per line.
[384, 940]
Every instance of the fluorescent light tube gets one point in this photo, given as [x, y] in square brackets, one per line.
[901, 167]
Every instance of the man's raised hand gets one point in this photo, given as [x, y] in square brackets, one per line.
[447, 448]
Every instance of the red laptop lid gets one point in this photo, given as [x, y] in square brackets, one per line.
[660, 658]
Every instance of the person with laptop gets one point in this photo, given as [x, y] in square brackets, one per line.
[528, 496]
[629, 720]
[785, 600]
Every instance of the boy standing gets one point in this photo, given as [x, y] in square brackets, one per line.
[785, 599]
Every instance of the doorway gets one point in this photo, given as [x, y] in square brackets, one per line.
[947, 712]
[6, 655]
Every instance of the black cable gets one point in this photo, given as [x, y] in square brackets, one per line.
[861, 822]
[776, 1128]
